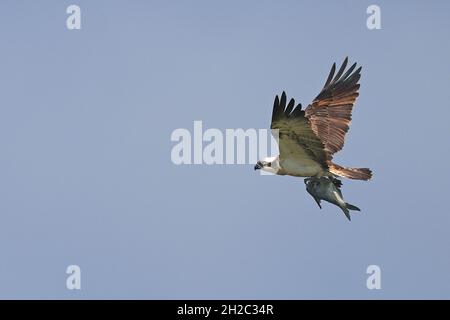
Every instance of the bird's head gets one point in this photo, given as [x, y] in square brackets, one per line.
[269, 164]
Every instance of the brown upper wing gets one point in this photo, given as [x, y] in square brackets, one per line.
[331, 111]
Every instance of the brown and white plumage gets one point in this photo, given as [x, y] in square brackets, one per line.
[309, 138]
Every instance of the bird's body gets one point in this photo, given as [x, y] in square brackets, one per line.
[304, 168]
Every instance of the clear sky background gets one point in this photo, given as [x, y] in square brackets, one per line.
[86, 176]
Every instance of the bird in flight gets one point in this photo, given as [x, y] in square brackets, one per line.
[309, 138]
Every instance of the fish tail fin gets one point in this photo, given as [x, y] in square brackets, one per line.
[352, 207]
[347, 213]
[318, 202]
[351, 173]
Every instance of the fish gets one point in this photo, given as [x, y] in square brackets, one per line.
[328, 189]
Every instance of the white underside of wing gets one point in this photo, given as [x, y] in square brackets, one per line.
[295, 161]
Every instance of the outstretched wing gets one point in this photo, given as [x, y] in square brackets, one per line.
[331, 111]
[296, 139]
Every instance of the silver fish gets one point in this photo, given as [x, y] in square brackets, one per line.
[328, 189]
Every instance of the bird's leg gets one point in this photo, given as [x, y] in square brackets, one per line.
[336, 181]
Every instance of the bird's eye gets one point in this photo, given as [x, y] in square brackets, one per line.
[269, 164]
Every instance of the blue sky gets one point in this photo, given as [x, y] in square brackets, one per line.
[86, 176]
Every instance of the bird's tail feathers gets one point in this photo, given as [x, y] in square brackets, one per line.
[351, 173]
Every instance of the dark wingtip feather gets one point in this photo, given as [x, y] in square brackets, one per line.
[276, 102]
[283, 101]
[290, 107]
[349, 71]
[341, 70]
[354, 77]
[330, 75]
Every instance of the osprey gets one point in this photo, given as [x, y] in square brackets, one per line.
[309, 138]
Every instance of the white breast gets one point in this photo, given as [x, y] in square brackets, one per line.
[301, 167]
